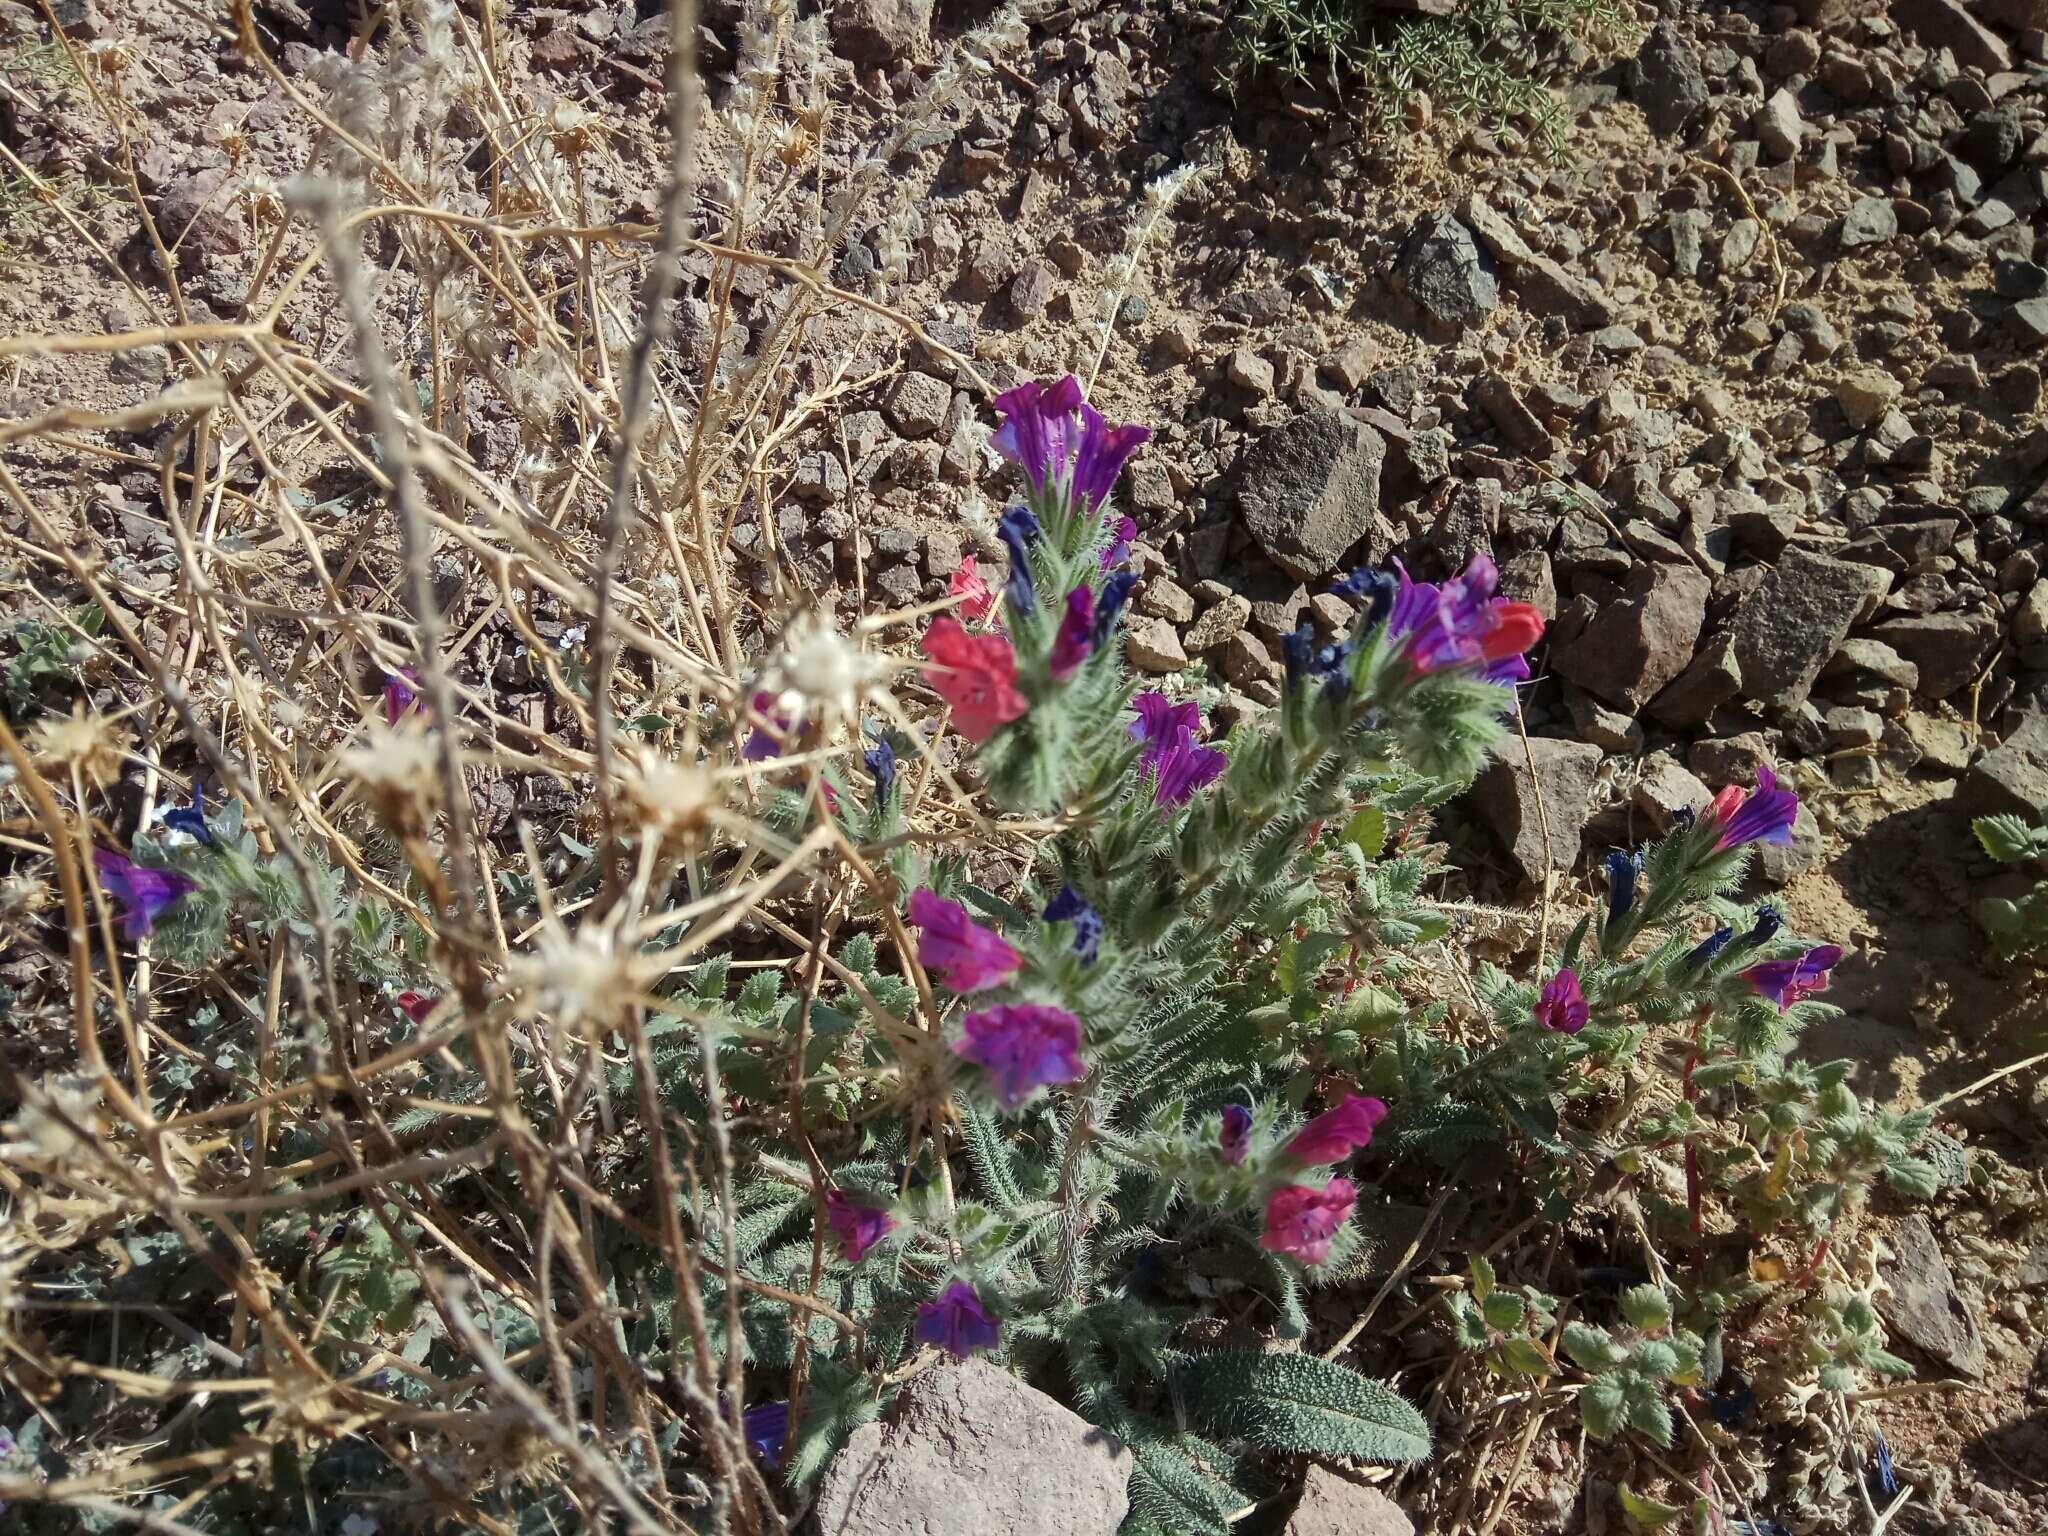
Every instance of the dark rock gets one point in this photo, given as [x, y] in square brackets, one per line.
[1310, 489]
[969, 1447]
[1869, 221]
[917, 404]
[1921, 1305]
[1641, 642]
[1447, 274]
[1787, 629]
[1664, 79]
[1948, 648]
[1515, 422]
[1507, 797]
[1711, 681]
[1545, 288]
[1258, 306]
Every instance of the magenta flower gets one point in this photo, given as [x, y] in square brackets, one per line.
[1336, 1133]
[1303, 1221]
[1561, 1007]
[1237, 1133]
[1462, 623]
[1076, 639]
[1068, 454]
[1180, 764]
[401, 694]
[1786, 982]
[146, 893]
[1764, 815]
[957, 1322]
[1025, 1046]
[760, 745]
[858, 1227]
[953, 942]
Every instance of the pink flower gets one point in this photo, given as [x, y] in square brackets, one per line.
[957, 1322]
[1076, 637]
[1336, 1133]
[1069, 455]
[1462, 623]
[976, 674]
[1303, 1221]
[1785, 982]
[1026, 1046]
[858, 1227]
[1562, 1006]
[417, 1006]
[968, 584]
[971, 956]
[1764, 815]
[760, 745]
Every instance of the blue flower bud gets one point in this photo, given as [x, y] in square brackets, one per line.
[1018, 530]
[1115, 593]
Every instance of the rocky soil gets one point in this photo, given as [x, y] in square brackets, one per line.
[1745, 393]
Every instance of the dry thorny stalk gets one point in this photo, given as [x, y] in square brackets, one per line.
[452, 285]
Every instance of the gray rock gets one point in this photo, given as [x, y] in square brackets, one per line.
[1152, 646]
[1861, 656]
[1711, 681]
[1922, 1306]
[1781, 863]
[1666, 791]
[1545, 288]
[1495, 232]
[1643, 640]
[881, 31]
[1790, 627]
[1869, 221]
[1778, 126]
[1507, 797]
[1310, 490]
[917, 404]
[1687, 229]
[1332, 1505]
[1447, 273]
[969, 1448]
[1948, 648]
[1515, 422]
[1664, 79]
[2013, 778]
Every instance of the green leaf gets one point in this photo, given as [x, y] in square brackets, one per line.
[1646, 1512]
[1304, 1404]
[649, 725]
[1648, 1414]
[2007, 839]
[1367, 831]
[1482, 1279]
[1588, 1346]
[1646, 1307]
[1526, 1357]
[1169, 1489]
[1913, 1176]
[1505, 1312]
[1602, 1406]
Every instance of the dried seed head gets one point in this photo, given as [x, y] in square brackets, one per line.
[671, 797]
[91, 745]
[583, 981]
[827, 673]
[57, 1115]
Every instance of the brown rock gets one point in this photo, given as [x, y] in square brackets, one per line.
[1949, 24]
[1152, 646]
[1792, 625]
[1217, 625]
[1032, 289]
[1310, 489]
[1164, 598]
[1332, 1505]
[1666, 790]
[1641, 642]
[1921, 1303]
[1507, 796]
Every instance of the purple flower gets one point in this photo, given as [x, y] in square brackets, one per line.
[1303, 1221]
[1180, 765]
[953, 942]
[1786, 982]
[1025, 1046]
[401, 694]
[858, 1227]
[1076, 638]
[1561, 1007]
[760, 745]
[1336, 1133]
[1764, 815]
[880, 760]
[957, 1322]
[1119, 549]
[1018, 530]
[1462, 623]
[1704, 953]
[1115, 593]
[1305, 658]
[145, 892]
[1237, 1133]
[767, 1427]
[1068, 907]
[1768, 921]
[191, 819]
[1068, 454]
[1624, 870]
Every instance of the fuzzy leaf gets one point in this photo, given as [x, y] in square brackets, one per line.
[1913, 1176]
[1527, 1357]
[1646, 1307]
[2007, 839]
[1588, 1346]
[1649, 1414]
[1602, 1405]
[1304, 1404]
[1647, 1513]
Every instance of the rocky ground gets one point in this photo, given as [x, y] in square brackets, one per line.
[1745, 392]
